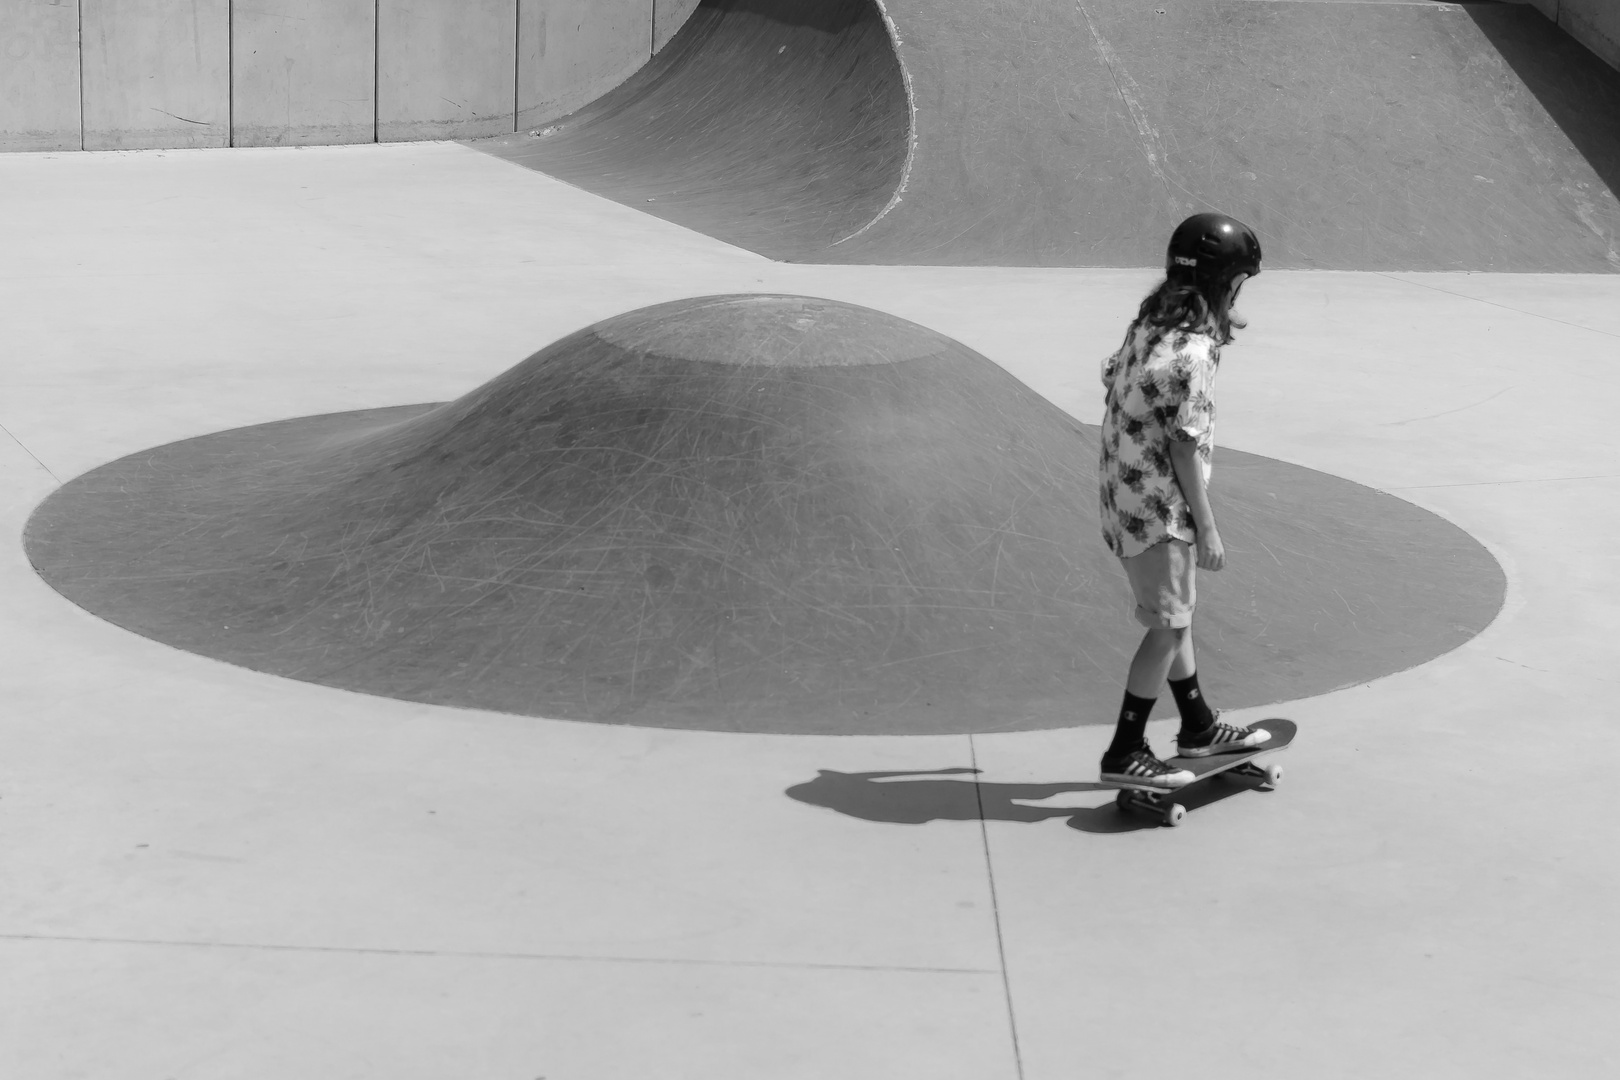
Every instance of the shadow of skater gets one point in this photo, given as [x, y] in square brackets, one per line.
[907, 798]
[895, 797]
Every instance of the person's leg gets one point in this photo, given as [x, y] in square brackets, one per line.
[1142, 685]
[1182, 664]
[1196, 715]
[1128, 758]
[1202, 733]
[1161, 579]
[1156, 577]
[1156, 658]
[1177, 600]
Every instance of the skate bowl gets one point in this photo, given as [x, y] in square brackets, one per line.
[1352, 136]
[782, 126]
[739, 513]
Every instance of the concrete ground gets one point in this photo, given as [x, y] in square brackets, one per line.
[211, 872]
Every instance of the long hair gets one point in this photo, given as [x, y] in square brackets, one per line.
[1179, 304]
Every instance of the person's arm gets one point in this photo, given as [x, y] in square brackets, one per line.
[1190, 475]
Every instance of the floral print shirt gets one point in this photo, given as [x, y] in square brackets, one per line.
[1161, 387]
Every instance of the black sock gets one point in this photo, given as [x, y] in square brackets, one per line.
[1196, 715]
[1131, 731]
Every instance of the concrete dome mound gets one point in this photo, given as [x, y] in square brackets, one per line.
[743, 513]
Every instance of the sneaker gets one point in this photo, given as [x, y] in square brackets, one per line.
[1220, 738]
[1141, 768]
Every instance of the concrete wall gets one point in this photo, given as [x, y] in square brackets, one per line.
[155, 73]
[303, 71]
[1594, 23]
[39, 75]
[127, 74]
[668, 17]
[571, 52]
[446, 70]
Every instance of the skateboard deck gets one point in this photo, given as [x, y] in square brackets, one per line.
[1161, 802]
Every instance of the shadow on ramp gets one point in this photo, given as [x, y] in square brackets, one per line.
[1580, 93]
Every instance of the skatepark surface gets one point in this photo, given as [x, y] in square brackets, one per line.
[217, 871]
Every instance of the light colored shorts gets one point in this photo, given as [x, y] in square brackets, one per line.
[1163, 579]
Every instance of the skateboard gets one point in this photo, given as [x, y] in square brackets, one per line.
[1161, 802]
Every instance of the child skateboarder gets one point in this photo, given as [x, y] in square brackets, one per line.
[1158, 439]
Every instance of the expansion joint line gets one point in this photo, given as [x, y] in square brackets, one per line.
[995, 911]
[230, 75]
[24, 447]
[79, 39]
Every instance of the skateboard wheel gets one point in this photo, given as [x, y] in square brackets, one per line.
[1273, 775]
[1174, 814]
[1123, 800]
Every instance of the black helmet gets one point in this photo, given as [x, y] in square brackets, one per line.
[1207, 249]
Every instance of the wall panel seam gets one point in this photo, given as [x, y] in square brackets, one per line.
[79, 35]
[376, 71]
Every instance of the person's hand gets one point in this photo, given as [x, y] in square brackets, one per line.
[1211, 554]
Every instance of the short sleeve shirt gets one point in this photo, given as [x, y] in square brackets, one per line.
[1160, 387]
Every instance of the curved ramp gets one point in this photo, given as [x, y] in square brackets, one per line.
[1357, 136]
[781, 126]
